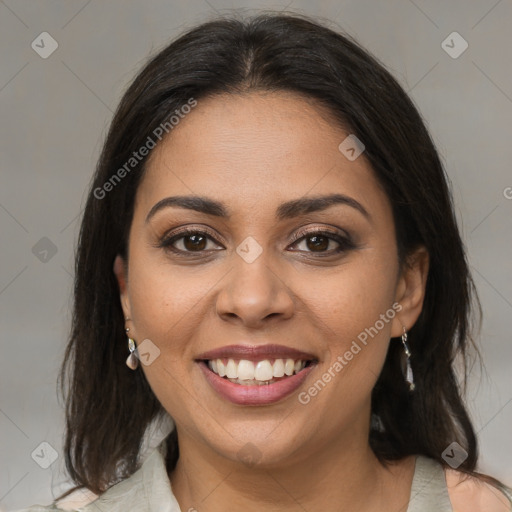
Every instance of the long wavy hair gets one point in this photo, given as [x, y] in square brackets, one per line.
[108, 406]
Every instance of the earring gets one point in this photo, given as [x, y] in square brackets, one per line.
[409, 378]
[132, 360]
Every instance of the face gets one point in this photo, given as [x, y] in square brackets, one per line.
[315, 282]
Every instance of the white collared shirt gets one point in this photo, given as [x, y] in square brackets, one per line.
[149, 490]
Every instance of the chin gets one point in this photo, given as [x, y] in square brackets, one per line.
[258, 443]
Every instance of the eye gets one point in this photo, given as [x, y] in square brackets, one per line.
[315, 241]
[190, 240]
[318, 241]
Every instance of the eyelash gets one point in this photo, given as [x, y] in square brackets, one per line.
[345, 243]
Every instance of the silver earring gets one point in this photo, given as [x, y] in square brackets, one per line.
[132, 360]
[409, 378]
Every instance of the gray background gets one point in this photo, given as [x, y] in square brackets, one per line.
[55, 113]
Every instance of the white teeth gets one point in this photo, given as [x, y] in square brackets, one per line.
[251, 382]
[245, 370]
[289, 366]
[231, 369]
[278, 368]
[221, 369]
[249, 372]
[263, 371]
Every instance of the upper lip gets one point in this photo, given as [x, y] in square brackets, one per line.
[256, 353]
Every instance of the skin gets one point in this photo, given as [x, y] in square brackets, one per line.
[253, 152]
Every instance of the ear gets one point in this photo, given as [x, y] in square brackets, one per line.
[410, 291]
[121, 273]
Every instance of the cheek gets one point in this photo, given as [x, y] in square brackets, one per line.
[356, 309]
[358, 313]
[164, 306]
[164, 298]
[354, 297]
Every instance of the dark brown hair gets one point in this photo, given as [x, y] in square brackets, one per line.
[108, 406]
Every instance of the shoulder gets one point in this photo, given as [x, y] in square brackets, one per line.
[35, 508]
[76, 500]
[474, 494]
[73, 502]
[130, 493]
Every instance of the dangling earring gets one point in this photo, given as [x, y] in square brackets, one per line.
[408, 370]
[132, 360]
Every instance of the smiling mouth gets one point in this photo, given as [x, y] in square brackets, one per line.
[256, 373]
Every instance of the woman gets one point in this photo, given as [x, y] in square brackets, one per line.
[270, 239]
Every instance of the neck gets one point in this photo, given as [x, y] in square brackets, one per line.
[346, 475]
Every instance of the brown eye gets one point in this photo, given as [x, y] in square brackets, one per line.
[194, 242]
[187, 241]
[319, 242]
[316, 242]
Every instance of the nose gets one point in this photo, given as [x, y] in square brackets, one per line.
[254, 294]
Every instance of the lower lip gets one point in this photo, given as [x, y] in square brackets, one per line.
[255, 395]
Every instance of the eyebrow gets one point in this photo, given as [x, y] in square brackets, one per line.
[287, 210]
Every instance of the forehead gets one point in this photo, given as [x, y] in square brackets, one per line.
[257, 150]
